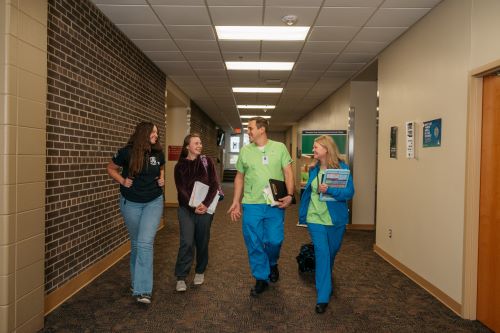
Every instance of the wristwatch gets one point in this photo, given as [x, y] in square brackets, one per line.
[291, 195]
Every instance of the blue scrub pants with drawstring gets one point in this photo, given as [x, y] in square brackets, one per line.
[326, 241]
[263, 231]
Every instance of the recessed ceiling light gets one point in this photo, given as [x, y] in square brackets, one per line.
[246, 106]
[256, 90]
[261, 33]
[248, 117]
[259, 65]
[244, 124]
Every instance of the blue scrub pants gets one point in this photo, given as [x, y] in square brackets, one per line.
[263, 231]
[327, 241]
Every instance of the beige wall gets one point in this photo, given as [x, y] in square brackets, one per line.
[485, 25]
[423, 76]
[364, 101]
[23, 86]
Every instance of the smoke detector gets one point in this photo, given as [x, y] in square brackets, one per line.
[289, 19]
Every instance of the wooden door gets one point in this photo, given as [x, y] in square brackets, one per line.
[488, 279]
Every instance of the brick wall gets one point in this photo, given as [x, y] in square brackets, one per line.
[202, 124]
[99, 87]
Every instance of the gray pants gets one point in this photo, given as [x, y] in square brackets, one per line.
[194, 230]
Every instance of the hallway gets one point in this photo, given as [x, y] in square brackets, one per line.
[370, 295]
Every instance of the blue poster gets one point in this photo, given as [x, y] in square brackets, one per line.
[432, 133]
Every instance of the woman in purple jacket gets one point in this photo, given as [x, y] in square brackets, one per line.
[194, 222]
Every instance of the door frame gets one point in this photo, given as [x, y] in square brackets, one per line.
[472, 187]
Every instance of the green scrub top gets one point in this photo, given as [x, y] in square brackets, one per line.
[318, 211]
[260, 165]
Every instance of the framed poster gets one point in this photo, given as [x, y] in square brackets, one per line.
[432, 133]
[393, 148]
[234, 144]
[339, 136]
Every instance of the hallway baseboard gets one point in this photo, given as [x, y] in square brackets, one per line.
[369, 227]
[433, 290]
[63, 293]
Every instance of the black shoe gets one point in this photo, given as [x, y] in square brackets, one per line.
[274, 276]
[260, 287]
[321, 307]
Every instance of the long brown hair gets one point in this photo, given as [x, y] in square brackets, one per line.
[333, 160]
[187, 141]
[141, 146]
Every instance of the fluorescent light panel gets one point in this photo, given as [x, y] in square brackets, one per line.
[247, 106]
[259, 65]
[248, 117]
[257, 90]
[261, 33]
[244, 124]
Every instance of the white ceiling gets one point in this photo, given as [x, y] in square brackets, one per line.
[345, 36]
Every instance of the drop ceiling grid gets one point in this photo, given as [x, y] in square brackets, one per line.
[179, 36]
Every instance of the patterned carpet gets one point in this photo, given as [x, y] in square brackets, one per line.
[369, 294]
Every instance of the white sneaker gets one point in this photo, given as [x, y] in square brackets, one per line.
[181, 286]
[199, 279]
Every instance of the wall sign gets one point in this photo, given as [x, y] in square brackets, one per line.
[393, 148]
[174, 152]
[410, 139]
[432, 133]
[308, 136]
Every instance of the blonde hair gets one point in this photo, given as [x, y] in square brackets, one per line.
[332, 160]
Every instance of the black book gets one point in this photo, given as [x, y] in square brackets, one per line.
[278, 188]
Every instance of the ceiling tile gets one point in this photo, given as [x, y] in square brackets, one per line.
[346, 66]
[281, 46]
[207, 65]
[119, 2]
[198, 32]
[235, 2]
[232, 15]
[410, 3]
[378, 34]
[175, 67]
[293, 3]
[240, 46]
[279, 56]
[365, 47]
[241, 56]
[332, 16]
[305, 15]
[274, 75]
[396, 17]
[341, 74]
[144, 31]
[333, 33]
[129, 14]
[243, 75]
[210, 72]
[317, 57]
[202, 56]
[183, 15]
[197, 45]
[324, 47]
[155, 44]
[354, 57]
[177, 2]
[164, 55]
[352, 3]
[311, 66]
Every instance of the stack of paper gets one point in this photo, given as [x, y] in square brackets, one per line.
[268, 195]
[199, 194]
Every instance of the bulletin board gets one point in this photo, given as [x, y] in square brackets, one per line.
[308, 137]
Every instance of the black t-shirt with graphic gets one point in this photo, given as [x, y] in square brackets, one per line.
[145, 186]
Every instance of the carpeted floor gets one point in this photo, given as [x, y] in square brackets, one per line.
[370, 295]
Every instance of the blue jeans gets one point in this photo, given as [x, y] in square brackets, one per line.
[326, 241]
[263, 231]
[142, 220]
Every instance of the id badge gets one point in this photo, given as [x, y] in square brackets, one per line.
[265, 160]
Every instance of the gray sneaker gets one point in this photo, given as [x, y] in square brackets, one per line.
[181, 285]
[199, 279]
[144, 298]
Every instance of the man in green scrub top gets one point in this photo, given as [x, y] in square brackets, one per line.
[263, 224]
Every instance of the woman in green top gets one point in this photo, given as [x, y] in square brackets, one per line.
[326, 220]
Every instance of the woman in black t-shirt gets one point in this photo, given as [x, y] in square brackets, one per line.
[141, 201]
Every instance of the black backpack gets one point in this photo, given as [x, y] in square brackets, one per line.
[305, 259]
